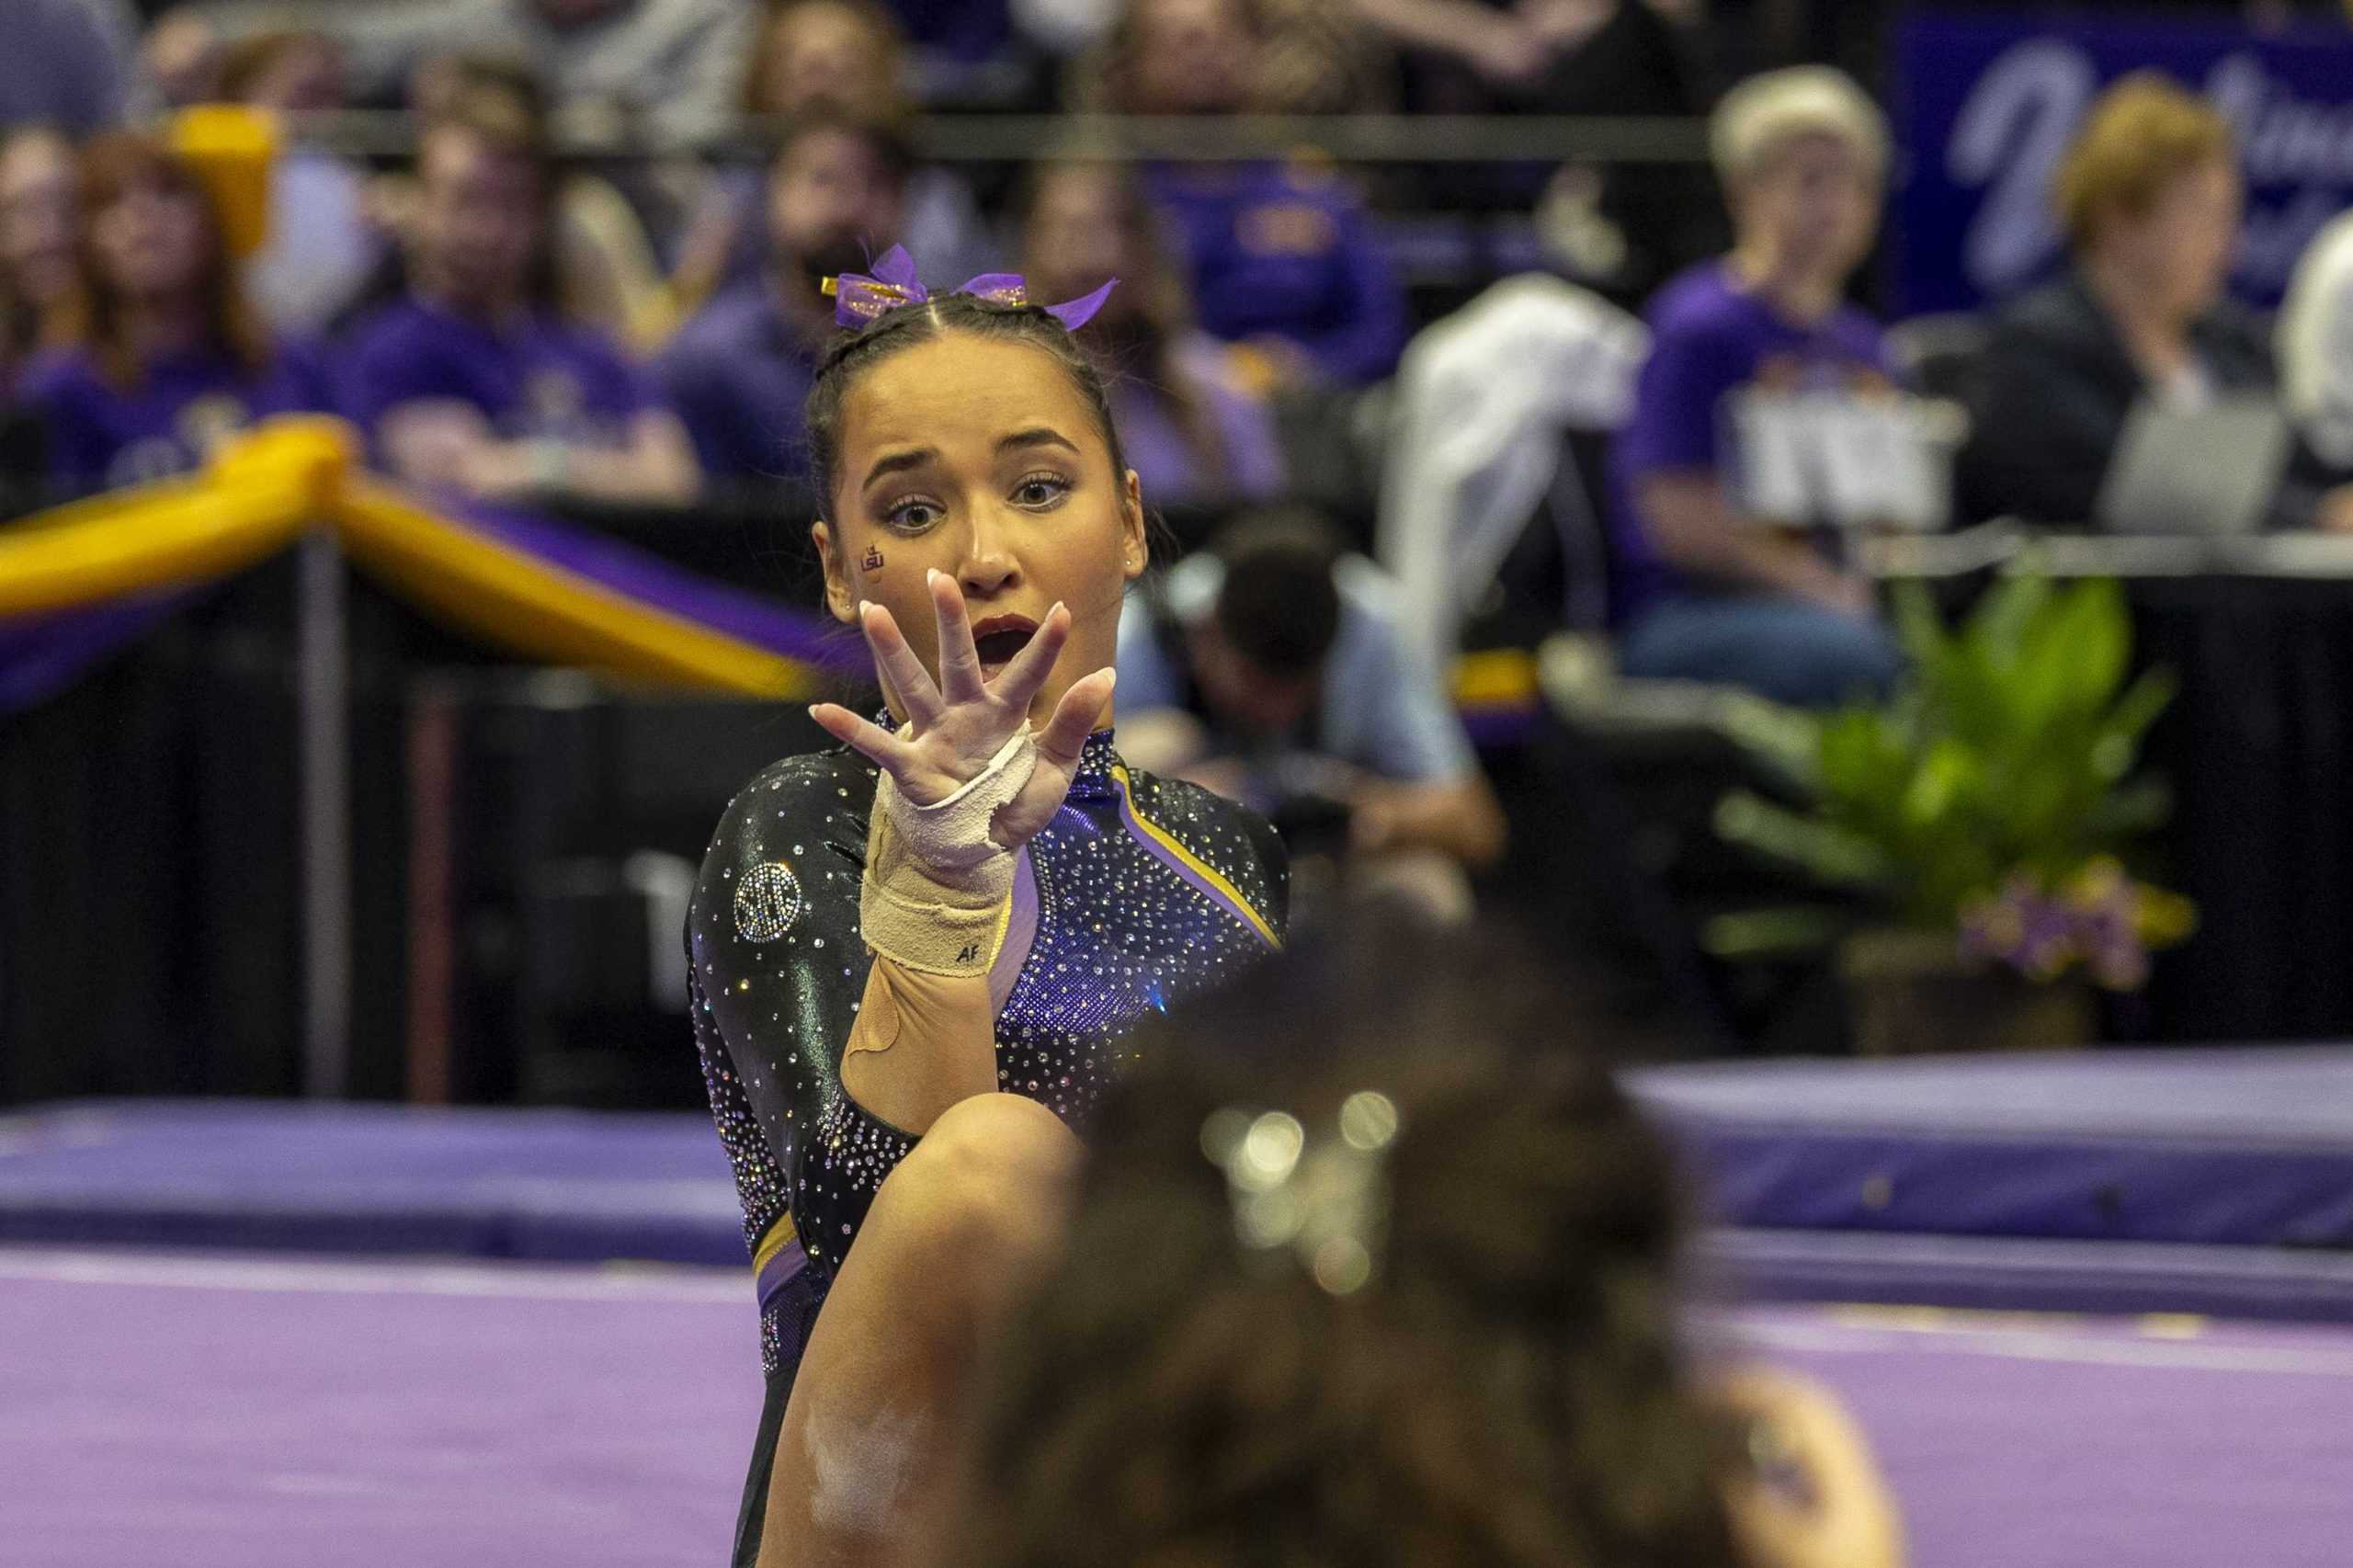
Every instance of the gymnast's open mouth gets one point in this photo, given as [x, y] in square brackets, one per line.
[1000, 637]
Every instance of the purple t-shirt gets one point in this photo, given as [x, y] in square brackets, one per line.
[1286, 251]
[540, 376]
[1708, 339]
[1159, 450]
[738, 374]
[102, 437]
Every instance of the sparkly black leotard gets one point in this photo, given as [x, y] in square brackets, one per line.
[1143, 892]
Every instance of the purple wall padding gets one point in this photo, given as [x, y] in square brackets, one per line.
[2230, 1148]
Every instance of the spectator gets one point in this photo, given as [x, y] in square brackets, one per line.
[1622, 228]
[1313, 56]
[2149, 197]
[2315, 348]
[1705, 591]
[180, 62]
[838, 61]
[605, 268]
[62, 63]
[1372, 1263]
[322, 246]
[739, 372]
[160, 356]
[1270, 668]
[1283, 257]
[39, 231]
[1194, 434]
[474, 381]
[671, 70]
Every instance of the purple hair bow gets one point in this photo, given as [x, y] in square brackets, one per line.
[859, 297]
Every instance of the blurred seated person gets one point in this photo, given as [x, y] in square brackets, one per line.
[1313, 56]
[607, 272]
[2315, 349]
[1372, 1263]
[667, 72]
[63, 63]
[1193, 432]
[156, 356]
[739, 372]
[475, 382]
[828, 60]
[180, 60]
[1706, 591]
[40, 228]
[2150, 198]
[323, 244]
[1619, 228]
[1281, 258]
[1270, 668]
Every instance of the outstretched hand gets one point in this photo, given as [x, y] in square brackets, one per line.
[955, 725]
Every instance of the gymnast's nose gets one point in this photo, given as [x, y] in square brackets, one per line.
[986, 569]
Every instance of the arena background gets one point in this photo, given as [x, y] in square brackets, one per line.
[347, 827]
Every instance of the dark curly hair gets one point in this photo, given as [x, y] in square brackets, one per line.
[853, 354]
[1509, 1389]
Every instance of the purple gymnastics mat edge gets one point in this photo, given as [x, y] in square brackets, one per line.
[2243, 1148]
[541, 1184]
[2007, 1274]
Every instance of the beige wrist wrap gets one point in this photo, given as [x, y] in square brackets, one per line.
[939, 890]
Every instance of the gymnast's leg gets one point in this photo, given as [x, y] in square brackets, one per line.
[869, 1435]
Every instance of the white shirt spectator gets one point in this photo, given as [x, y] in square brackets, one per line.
[2315, 345]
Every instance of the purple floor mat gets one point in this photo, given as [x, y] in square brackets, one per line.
[233, 1411]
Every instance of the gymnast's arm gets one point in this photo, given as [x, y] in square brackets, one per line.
[925, 1037]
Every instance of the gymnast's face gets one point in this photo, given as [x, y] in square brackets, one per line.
[981, 459]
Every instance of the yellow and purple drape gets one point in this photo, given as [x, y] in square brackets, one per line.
[82, 580]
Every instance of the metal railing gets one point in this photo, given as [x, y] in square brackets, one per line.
[1016, 138]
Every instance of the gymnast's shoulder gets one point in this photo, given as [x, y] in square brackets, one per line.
[1237, 841]
[808, 811]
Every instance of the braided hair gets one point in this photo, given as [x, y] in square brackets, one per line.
[921, 322]
[1507, 1392]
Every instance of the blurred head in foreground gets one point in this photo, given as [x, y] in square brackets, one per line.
[1372, 1265]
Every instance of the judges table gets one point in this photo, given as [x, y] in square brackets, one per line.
[2259, 631]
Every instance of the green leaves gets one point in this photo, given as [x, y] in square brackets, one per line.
[2011, 749]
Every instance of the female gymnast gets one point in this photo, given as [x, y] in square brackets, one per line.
[913, 956]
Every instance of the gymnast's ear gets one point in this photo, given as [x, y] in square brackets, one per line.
[841, 593]
[1135, 530]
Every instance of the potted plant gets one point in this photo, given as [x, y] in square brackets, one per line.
[1985, 817]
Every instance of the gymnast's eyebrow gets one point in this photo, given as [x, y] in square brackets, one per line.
[1036, 435]
[894, 462]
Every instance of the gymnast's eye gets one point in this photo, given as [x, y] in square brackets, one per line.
[914, 515]
[1041, 491]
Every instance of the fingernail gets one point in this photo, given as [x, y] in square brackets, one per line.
[863, 606]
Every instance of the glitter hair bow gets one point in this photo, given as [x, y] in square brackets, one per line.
[861, 297]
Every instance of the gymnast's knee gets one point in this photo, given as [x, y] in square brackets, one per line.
[990, 1179]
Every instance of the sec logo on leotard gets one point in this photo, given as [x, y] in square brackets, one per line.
[767, 902]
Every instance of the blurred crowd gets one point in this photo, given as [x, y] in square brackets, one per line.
[507, 320]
